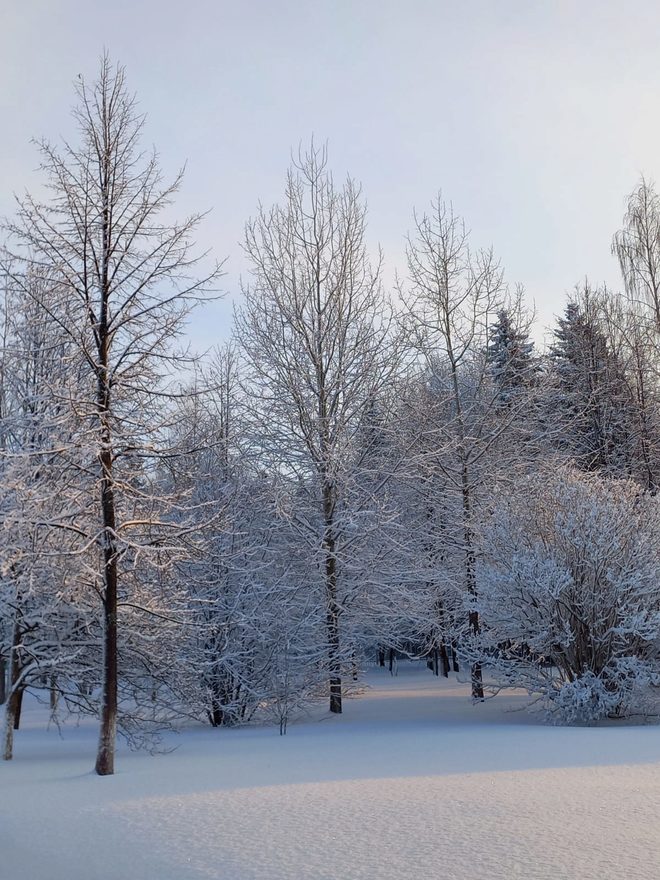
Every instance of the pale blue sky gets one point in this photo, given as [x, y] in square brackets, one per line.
[535, 118]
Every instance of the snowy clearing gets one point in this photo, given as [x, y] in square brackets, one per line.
[412, 781]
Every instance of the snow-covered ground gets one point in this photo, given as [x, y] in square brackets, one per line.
[411, 782]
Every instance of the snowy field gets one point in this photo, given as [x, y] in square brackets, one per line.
[411, 782]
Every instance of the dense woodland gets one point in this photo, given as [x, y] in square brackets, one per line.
[360, 473]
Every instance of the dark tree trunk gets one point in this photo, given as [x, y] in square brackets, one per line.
[381, 657]
[54, 693]
[468, 538]
[454, 658]
[215, 711]
[432, 660]
[3, 680]
[476, 672]
[444, 660]
[333, 657]
[392, 654]
[105, 758]
[477, 682]
[476, 676]
[11, 723]
[332, 604]
[215, 715]
[14, 702]
[18, 707]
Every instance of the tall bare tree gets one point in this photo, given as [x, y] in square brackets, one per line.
[315, 329]
[121, 285]
[637, 322]
[637, 247]
[452, 296]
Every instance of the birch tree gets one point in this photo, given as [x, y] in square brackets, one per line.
[637, 321]
[637, 248]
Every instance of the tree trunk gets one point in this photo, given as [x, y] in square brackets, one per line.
[11, 717]
[334, 667]
[105, 758]
[332, 605]
[14, 702]
[476, 675]
[477, 682]
[54, 693]
[444, 660]
[216, 712]
[466, 497]
[215, 715]
[19, 707]
[3, 680]
[333, 655]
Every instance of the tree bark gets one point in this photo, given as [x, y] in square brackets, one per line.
[54, 693]
[105, 758]
[14, 701]
[444, 660]
[18, 707]
[10, 725]
[476, 673]
[106, 751]
[332, 622]
[466, 497]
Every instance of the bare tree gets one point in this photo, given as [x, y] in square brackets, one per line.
[453, 294]
[41, 618]
[637, 322]
[121, 285]
[637, 247]
[314, 329]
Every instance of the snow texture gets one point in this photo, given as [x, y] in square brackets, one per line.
[412, 781]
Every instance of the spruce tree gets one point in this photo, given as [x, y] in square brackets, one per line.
[510, 355]
[589, 398]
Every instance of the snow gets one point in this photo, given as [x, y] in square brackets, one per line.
[412, 781]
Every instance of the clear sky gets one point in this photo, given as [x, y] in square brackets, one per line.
[534, 118]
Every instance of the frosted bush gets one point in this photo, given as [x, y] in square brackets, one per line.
[570, 594]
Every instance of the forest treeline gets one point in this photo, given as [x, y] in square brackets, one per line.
[358, 471]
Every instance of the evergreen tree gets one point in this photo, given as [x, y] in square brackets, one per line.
[510, 355]
[589, 397]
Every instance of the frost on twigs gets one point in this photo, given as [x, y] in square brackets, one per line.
[569, 594]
